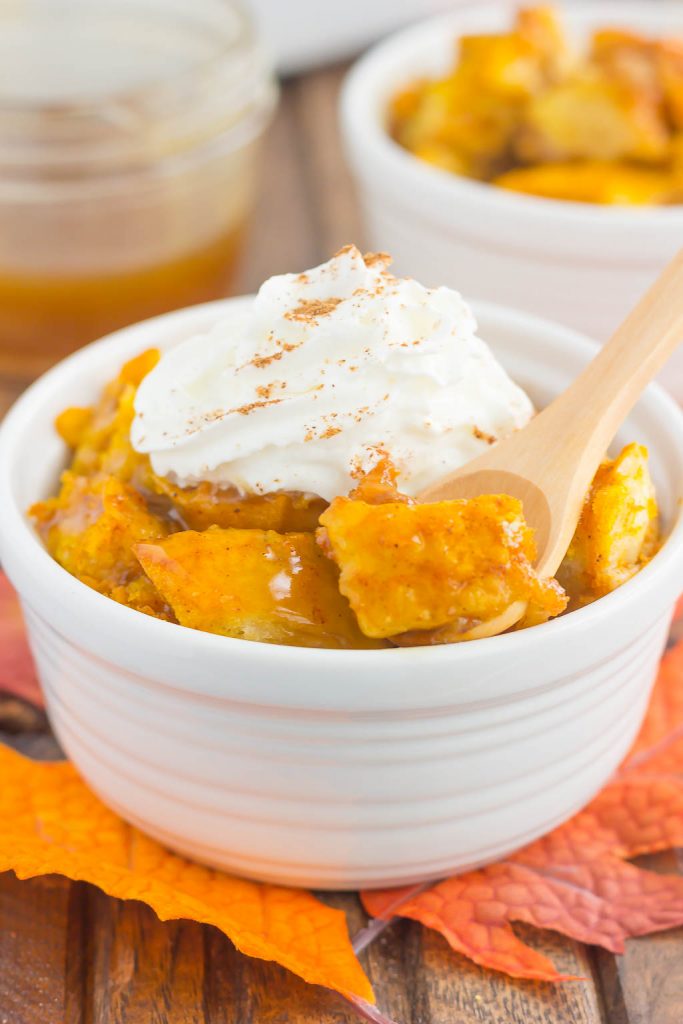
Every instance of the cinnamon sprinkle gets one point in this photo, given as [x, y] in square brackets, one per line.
[266, 390]
[482, 436]
[261, 361]
[244, 410]
[199, 422]
[371, 258]
[310, 310]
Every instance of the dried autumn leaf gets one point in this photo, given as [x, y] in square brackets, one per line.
[59, 826]
[17, 674]
[576, 880]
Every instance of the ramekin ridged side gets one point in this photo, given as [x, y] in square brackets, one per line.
[333, 800]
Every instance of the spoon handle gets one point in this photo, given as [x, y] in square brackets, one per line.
[549, 465]
[560, 451]
[602, 396]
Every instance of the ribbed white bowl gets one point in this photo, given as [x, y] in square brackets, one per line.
[582, 264]
[327, 768]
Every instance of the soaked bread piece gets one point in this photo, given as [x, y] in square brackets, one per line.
[594, 181]
[410, 569]
[90, 528]
[255, 585]
[618, 532]
[100, 436]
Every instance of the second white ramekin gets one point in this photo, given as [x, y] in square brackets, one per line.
[337, 769]
[581, 264]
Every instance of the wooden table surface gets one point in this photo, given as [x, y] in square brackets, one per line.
[70, 955]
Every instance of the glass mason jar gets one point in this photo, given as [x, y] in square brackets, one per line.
[129, 131]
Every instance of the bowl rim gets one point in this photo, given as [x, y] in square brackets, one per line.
[24, 554]
[364, 133]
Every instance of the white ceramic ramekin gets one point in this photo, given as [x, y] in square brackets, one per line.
[581, 264]
[337, 769]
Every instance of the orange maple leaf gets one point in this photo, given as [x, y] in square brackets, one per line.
[576, 880]
[54, 824]
[17, 674]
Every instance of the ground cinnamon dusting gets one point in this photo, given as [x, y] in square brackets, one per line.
[310, 310]
[260, 361]
[371, 258]
[482, 436]
[244, 410]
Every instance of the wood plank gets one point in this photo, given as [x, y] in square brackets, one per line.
[243, 991]
[282, 235]
[25, 728]
[34, 924]
[610, 987]
[330, 186]
[10, 389]
[140, 970]
[143, 971]
[77, 948]
[651, 975]
[418, 977]
[645, 985]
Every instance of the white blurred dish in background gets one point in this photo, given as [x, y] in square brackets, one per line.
[302, 34]
[580, 264]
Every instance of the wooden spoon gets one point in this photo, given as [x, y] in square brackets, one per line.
[550, 464]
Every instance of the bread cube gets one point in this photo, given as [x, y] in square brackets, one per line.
[91, 528]
[618, 530]
[255, 585]
[100, 436]
[593, 181]
[410, 568]
[593, 116]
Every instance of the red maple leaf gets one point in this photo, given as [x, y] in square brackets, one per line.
[576, 880]
[17, 674]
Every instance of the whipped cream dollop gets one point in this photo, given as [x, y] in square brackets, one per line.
[306, 386]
